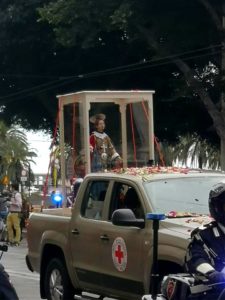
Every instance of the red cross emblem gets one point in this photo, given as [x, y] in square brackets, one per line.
[119, 254]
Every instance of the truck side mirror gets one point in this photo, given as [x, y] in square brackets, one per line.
[126, 217]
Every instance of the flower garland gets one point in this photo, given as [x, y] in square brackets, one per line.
[150, 170]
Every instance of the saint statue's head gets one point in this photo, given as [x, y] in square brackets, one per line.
[99, 122]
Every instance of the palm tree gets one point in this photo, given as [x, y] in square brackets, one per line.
[165, 154]
[191, 150]
[14, 152]
[199, 151]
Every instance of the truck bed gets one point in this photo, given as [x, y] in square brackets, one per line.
[57, 222]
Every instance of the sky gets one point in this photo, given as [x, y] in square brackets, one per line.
[40, 142]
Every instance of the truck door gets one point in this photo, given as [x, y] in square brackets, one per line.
[123, 252]
[85, 232]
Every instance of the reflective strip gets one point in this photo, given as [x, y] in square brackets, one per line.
[204, 268]
[213, 252]
[221, 227]
[198, 237]
[207, 250]
[216, 232]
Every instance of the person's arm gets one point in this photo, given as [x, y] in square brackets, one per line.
[112, 151]
[198, 258]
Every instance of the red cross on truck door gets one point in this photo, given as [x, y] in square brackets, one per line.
[119, 254]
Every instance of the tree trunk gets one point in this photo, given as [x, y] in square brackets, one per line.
[222, 141]
[222, 156]
[200, 162]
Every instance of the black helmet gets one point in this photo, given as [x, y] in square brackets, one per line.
[217, 202]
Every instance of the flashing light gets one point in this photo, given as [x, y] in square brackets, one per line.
[155, 216]
[57, 197]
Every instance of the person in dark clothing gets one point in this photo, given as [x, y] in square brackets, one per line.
[4, 204]
[72, 196]
[76, 186]
[7, 291]
[206, 251]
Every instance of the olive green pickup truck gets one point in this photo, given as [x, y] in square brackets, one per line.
[103, 244]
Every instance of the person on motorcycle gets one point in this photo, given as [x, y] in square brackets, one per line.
[206, 251]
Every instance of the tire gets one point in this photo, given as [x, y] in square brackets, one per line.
[57, 282]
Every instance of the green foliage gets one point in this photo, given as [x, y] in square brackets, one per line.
[166, 30]
[170, 25]
[198, 151]
[78, 21]
[14, 152]
[190, 150]
[94, 35]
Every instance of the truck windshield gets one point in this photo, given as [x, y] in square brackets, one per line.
[183, 195]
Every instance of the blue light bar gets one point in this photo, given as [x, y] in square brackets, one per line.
[155, 216]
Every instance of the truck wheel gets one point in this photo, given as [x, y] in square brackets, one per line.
[57, 282]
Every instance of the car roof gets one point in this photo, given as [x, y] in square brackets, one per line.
[156, 173]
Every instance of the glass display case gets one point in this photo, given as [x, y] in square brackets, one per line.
[102, 130]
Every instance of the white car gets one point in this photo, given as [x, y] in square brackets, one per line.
[30, 190]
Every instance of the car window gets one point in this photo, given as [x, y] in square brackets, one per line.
[181, 194]
[125, 196]
[94, 200]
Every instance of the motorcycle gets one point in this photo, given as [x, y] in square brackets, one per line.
[182, 286]
[188, 287]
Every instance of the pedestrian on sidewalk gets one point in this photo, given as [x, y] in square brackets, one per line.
[13, 218]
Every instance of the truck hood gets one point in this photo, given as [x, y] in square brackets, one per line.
[185, 225]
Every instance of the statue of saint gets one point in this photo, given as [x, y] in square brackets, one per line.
[103, 154]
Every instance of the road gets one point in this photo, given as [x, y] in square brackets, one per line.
[25, 282]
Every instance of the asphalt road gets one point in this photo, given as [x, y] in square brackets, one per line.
[25, 282]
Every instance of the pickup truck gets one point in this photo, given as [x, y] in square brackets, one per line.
[103, 244]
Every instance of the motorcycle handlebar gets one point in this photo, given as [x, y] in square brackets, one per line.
[203, 284]
[205, 280]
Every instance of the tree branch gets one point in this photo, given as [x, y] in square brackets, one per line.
[197, 86]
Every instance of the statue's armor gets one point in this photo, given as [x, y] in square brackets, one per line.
[103, 151]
